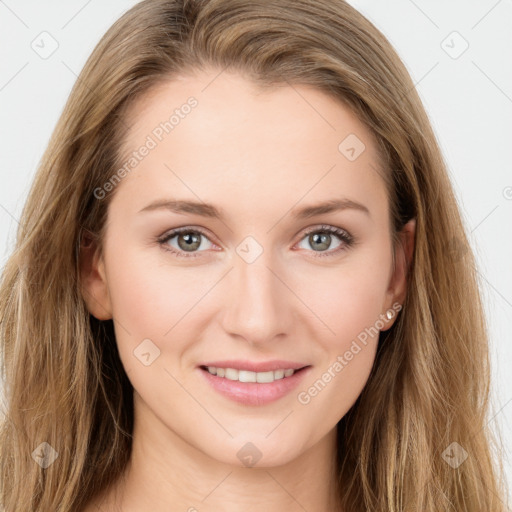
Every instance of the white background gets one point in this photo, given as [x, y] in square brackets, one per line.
[468, 99]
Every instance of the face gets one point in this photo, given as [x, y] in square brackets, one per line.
[215, 254]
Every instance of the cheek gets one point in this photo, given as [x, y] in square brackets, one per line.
[351, 311]
[349, 301]
[348, 298]
[150, 297]
[151, 301]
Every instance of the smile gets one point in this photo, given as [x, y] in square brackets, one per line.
[253, 387]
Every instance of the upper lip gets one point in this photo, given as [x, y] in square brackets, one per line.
[252, 366]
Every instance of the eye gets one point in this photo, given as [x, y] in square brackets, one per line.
[187, 239]
[320, 238]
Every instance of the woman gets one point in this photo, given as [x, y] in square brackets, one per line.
[231, 287]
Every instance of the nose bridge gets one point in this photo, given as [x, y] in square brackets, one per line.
[257, 308]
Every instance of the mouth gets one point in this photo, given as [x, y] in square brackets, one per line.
[250, 387]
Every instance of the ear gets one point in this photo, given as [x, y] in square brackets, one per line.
[93, 278]
[397, 289]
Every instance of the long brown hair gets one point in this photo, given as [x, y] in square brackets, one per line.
[64, 382]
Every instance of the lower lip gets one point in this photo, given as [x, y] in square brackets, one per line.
[255, 393]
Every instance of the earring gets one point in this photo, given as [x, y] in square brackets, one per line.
[390, 313]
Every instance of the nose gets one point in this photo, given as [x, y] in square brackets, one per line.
[258, 305]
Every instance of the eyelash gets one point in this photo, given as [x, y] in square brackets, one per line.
[347, 239]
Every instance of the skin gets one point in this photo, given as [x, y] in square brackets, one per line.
[258, 155]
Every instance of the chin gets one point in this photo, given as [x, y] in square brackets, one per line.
[260, 452]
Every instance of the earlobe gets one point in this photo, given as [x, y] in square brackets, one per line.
[94, 284]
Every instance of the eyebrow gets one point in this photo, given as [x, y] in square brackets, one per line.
[211, 211]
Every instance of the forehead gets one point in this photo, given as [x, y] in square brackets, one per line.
[220, 135]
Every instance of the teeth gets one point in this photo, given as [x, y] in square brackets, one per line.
[247, 376]
[231, 374]
[269, 376]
